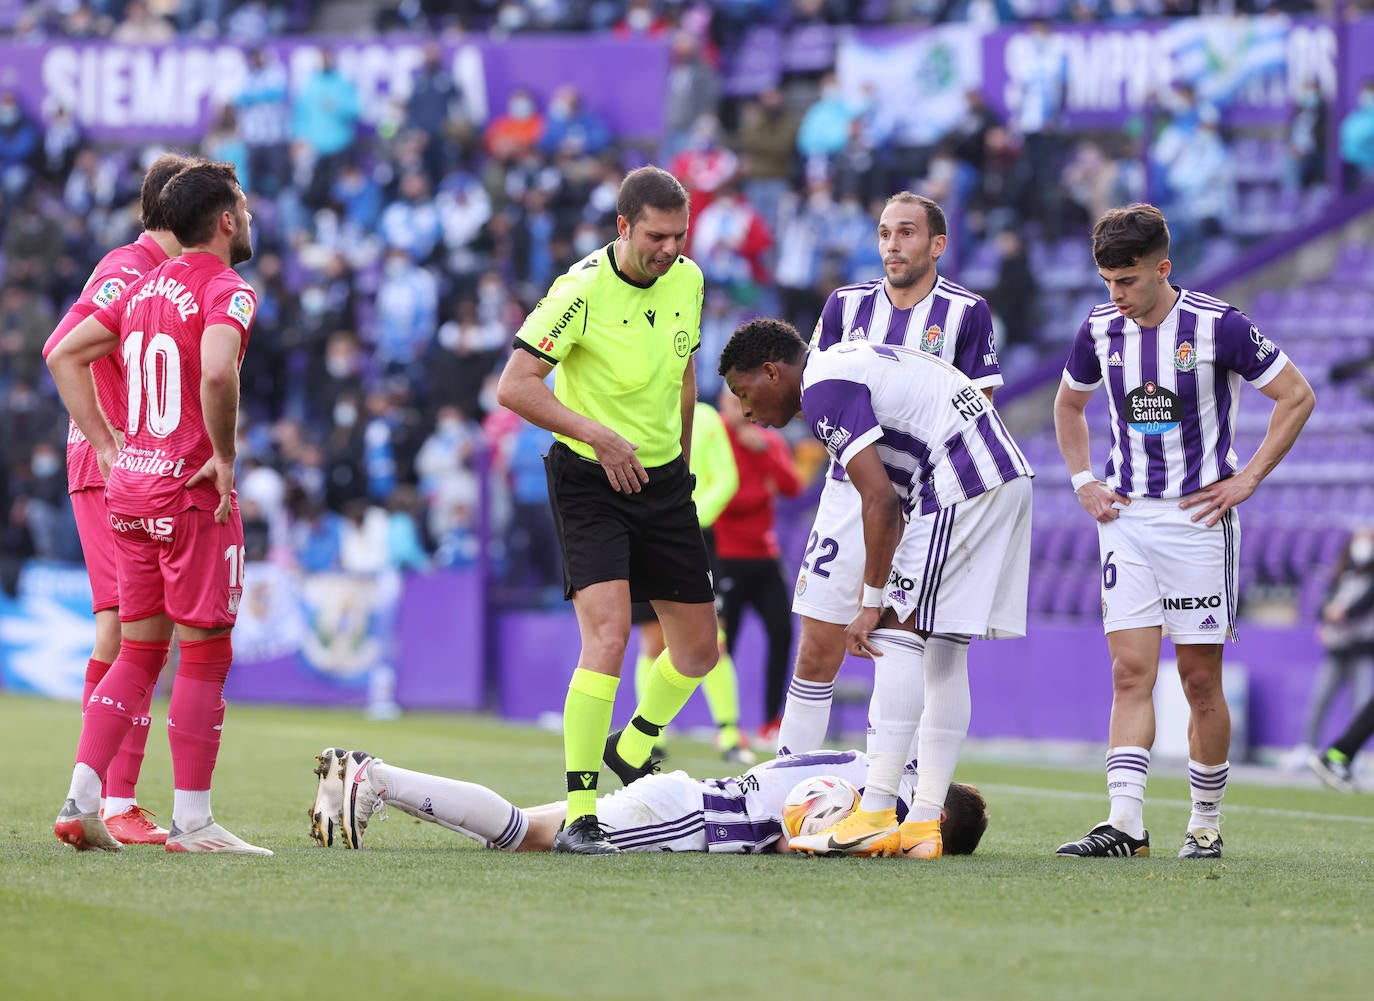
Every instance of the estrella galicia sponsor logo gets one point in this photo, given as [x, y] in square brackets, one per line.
[154, 528]
[1190, 603]
[933, 340]
[1185, 357]
[1152, 409]
[832, 436]
[1264, 347]
[682, 343]
[109, 291]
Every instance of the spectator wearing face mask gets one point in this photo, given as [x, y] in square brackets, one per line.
[1357, 139]
[510, 136]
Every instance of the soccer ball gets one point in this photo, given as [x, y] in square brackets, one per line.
[816, 803]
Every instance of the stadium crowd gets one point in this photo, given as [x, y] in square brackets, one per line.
[394, 260]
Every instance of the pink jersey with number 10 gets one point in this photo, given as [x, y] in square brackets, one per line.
[160, 321]
[117, 270]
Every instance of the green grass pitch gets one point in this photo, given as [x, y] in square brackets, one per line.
[423, 913]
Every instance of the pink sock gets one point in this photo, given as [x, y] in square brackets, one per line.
[95, 671]
[110, 709]
[122, 777]
[196, 713]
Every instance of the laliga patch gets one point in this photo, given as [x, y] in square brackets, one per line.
[1152, 409]
[240, 308]
[110, 290]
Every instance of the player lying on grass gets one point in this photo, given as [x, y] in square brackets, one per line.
[669, 812]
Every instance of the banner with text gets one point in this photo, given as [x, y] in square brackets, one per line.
[139, 93]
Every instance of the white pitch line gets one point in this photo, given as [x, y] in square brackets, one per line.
[1271, 811]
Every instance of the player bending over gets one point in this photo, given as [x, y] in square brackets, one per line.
[669, 812]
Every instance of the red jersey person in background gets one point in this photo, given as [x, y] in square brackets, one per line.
[747, 547]
[126, 820]
[181, 331]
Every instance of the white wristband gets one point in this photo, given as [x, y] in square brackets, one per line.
[1080, 480]
[873, 596]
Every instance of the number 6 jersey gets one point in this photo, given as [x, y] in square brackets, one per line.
[160, 321]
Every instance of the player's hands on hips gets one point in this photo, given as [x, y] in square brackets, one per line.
[1214, 501]
[106, 459]
[1100, 501]
[220, 472]
[856, 639]
[623, 468]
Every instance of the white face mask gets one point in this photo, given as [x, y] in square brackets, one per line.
[1362, 550]
[45, 464]
[345, 415]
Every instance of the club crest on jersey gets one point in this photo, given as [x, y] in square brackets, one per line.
[241, 308]
[801, 583]
[933, 340]
[1152, 409]
[1185, 357]
[110, 290]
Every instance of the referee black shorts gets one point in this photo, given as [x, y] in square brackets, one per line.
[651, 538]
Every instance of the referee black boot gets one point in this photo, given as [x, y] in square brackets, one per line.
[625, 771]
[583, 836]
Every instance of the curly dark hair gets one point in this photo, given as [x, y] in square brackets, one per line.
[966, 818]
[760, 340]
[1123, 238]
[164, 168]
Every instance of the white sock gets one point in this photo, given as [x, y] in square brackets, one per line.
[465, 807]
[897, 694]
[805, 716]
[944, 724]
[1127, 770]
[190, 809]
[85, 788]
[115, 805]
[1208, 785]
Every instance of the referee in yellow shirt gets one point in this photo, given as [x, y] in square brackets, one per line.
[621, 326]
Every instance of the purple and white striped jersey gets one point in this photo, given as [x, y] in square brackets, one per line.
[863, 312]
[744, 814]
[935, 432]
[950, 322]
[1173, 391]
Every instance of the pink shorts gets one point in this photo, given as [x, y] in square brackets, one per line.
[183, 564]
[97, 546]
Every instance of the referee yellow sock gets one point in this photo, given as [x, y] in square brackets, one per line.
[586, 721]
[721, 688]
[665, 693]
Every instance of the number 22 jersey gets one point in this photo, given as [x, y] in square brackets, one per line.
[160, 321]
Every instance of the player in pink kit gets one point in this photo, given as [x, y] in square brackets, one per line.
[181, 331]
[127, 821]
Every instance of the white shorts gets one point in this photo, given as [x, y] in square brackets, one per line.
[658, 813]
[1160, 568]
[966, 569]
[830, 581]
